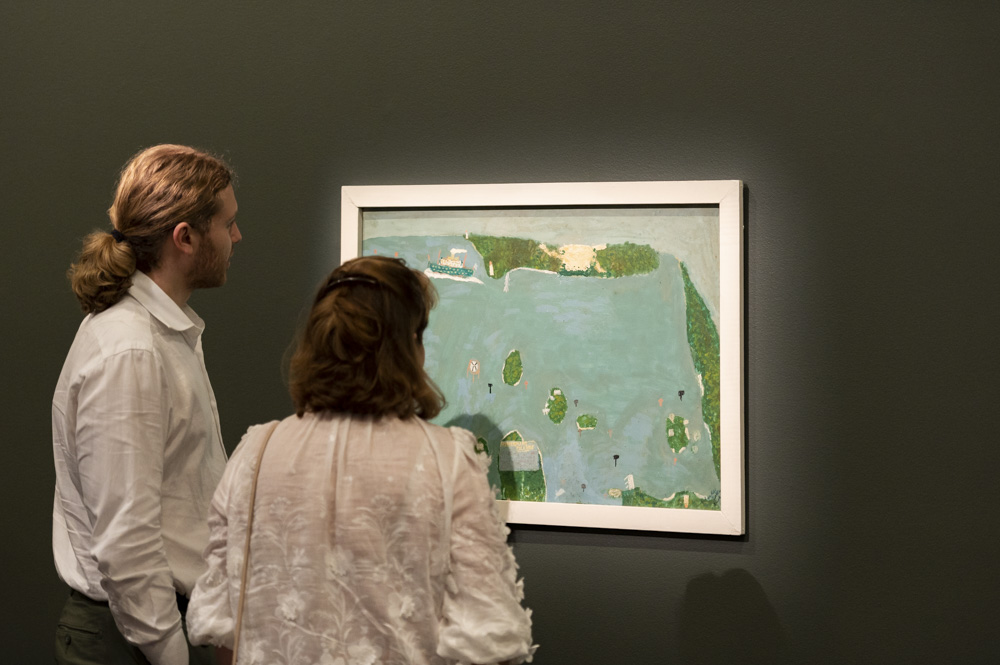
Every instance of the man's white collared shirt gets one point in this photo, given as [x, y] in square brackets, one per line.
[138, 453]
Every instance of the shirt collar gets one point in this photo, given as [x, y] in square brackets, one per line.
[182, 319]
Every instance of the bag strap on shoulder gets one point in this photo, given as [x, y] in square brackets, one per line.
[246, 545]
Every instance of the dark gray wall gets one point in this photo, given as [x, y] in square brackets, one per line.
[868, 140]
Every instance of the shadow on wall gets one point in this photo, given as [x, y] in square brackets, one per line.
[728, 619]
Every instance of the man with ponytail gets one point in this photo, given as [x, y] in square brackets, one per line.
[135, 429]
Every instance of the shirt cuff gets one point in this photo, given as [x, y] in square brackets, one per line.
[171, 650]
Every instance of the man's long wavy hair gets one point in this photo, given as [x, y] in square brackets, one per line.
[159, 188]
[362, 348]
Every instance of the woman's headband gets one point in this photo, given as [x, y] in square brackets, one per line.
[353, 278]
[347, 279]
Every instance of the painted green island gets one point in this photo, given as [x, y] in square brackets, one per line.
[677, 433]
[586, 422]
[555, 407]
[520, 465]
[512, 368]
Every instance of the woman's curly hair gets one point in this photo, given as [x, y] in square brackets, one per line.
[362, 349]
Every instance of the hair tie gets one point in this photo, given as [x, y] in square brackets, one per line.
[117, 235]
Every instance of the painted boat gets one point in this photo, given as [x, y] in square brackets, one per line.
[450, 266]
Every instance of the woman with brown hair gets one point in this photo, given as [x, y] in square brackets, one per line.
[374, 534]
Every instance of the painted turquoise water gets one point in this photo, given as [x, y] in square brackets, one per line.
[615, 347]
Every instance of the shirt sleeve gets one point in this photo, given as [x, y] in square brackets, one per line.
[120, 450]
[483, 620]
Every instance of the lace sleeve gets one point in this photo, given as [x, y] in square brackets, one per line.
[483, 620]
[210, 615]
[209, 618]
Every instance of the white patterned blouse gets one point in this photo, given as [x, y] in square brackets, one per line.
[374, 541]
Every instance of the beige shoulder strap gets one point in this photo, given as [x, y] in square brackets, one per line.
[246, 546]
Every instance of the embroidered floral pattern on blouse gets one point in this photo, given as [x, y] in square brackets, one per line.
[415, 571]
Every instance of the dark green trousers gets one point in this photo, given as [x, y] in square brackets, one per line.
[87, 635]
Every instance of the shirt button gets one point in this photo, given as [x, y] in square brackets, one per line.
[68, 640]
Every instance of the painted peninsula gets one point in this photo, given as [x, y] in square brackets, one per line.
[503, 254]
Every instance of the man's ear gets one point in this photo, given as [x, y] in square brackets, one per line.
[184, 238]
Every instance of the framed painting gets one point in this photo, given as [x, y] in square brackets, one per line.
[590, 335]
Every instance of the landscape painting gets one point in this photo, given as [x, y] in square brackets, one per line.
[582, 346]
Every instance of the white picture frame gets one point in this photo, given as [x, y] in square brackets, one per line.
[724, 195]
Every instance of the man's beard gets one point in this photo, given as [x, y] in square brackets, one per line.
[210, 267]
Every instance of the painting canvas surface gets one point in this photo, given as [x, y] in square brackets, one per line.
[580, 345]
